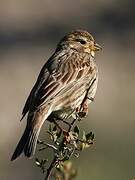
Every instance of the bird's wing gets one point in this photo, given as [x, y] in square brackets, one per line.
[58, 73]
[44, 73]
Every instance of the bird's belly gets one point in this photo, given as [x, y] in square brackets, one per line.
[72, 98]
[59, 114]
[65, 104]
[69, 99]
[69, 106]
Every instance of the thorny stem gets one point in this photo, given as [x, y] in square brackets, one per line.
[50, 169]
[55, 159]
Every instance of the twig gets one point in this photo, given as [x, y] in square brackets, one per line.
[50, 169]
[55, 159]
[47, 145]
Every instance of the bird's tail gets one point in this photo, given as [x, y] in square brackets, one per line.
[28, 141]
[22, 143]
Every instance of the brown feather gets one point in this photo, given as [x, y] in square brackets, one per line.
[62, 85]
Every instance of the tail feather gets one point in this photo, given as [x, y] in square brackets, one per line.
[20, 147]
[30, 146]
[27, 143]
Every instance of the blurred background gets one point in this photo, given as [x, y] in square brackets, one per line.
[29, 32]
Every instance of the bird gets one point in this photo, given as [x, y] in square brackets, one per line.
[67, 82]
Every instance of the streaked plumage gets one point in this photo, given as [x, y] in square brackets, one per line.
[63, 85]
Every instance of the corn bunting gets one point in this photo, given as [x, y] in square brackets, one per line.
[67, 82]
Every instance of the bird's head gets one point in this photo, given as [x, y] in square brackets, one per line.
[80, 41]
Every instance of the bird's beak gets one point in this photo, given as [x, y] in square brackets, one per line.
[97, 47]
[94, 48]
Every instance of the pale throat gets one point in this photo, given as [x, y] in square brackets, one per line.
[91, 52]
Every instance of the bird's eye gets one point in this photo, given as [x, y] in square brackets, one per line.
[81, 41]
